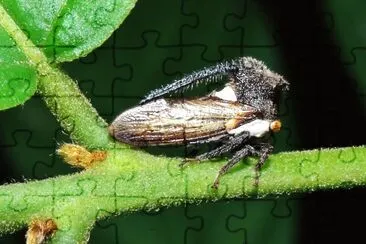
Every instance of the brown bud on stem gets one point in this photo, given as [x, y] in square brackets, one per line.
[78, 156]
[40, 230]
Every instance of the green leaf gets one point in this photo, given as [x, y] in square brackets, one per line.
[17, 76]
[66, 30]
[35, 33]
[17, 84]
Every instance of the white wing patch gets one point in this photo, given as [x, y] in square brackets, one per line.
[256, 128]
[226, 94]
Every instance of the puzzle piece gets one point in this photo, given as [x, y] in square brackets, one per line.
[283, 207]
[157, 231]
[139, 62]
[347, 31]
[347, 157]
[251, 221]
[229, 41]
[237, 25]
[162, 226]
[307, 166]
[213, 217]
[14, 87]
[167, 23]
[22, 142]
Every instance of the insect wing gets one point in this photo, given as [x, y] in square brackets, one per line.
[169, 122]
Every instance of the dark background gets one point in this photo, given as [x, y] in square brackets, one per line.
[319, 46]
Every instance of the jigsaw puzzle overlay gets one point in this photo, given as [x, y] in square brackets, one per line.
[318, 47]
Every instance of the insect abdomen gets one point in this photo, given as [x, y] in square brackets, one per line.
[164, 122]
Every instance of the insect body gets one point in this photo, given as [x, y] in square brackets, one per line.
[241, 116]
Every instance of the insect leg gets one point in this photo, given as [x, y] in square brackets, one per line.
[206, 75]
[242, 153]
[233, 143]
[219, 150]
[263, 153]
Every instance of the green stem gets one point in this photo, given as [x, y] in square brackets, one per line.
[131, 180]
[23, 42]
[76, 227]
[72, 109]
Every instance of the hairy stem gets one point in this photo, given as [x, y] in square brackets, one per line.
[130, 180]
[71, 108]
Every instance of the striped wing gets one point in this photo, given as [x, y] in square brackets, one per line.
[169, 122]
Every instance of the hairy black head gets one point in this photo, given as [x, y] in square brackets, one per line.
[256, 85]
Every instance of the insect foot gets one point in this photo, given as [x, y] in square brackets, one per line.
[188, 161]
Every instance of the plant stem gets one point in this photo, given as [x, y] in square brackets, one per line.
[22, 41]
[130, 180]
[72, 109]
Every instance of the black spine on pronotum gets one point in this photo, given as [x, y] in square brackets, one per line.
[241, 116]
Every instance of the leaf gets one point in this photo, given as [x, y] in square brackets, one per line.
[17, 76]
[50, 31]
[66, 30]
